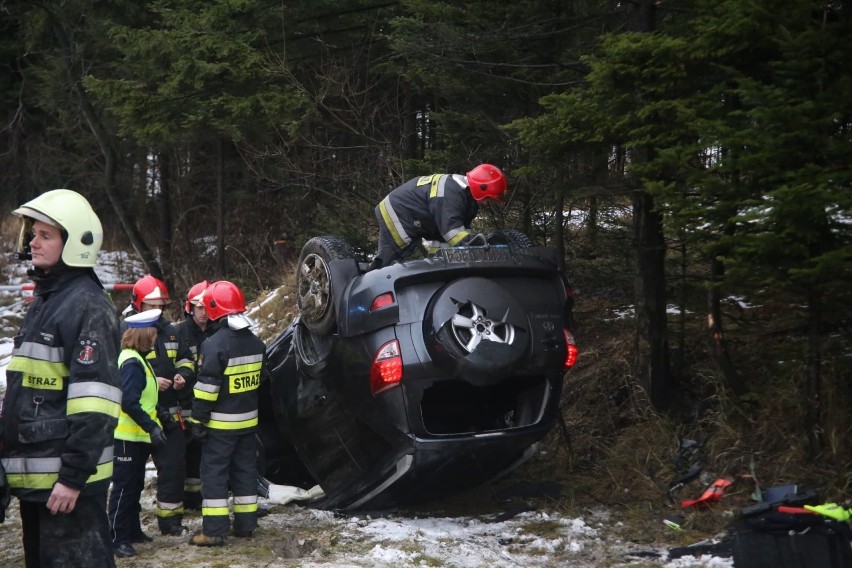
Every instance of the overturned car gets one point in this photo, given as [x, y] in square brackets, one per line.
[419, 378]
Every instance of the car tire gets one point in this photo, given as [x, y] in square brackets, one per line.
[484, 338]
[314, 293]
[515, 240]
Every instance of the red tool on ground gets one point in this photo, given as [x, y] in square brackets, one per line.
[711, 495]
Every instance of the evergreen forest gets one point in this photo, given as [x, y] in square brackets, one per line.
[690, 159]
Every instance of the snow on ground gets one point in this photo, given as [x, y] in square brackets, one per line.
[296, 535]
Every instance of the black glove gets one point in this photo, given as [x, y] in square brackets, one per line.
[166, 419]
[158, 437]
[198, 430]
[5, 499]
[477, 240]
[5, 495]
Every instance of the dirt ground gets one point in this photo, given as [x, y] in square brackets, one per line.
[468, 531]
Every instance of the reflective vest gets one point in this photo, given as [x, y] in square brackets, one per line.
[127, 428]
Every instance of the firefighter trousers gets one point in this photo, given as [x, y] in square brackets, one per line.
[78, 538]
[389, 250]
[192, 481]
[228, 461]
[171, 467]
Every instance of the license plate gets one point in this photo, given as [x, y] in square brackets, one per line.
[476, 254]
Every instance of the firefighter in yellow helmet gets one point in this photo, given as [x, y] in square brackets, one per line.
[62, 388]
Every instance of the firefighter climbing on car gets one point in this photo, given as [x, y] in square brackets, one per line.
[438, 207]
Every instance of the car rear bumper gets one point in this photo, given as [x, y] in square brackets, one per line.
[432, 466]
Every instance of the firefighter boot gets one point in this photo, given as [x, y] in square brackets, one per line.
[201, 539]
[192, 501]
[171, 527]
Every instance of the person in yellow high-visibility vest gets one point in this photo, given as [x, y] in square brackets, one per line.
[137, 431]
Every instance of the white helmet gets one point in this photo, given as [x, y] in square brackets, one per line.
[69, 211]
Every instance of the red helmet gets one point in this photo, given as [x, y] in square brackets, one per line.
[151, 291]
[222, 298]
[193, 297]
[486, 182]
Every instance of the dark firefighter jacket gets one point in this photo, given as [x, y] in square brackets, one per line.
[229, 373]
[191, 335]
[437, 207]
[63, 393]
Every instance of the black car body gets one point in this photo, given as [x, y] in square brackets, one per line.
[420, 378]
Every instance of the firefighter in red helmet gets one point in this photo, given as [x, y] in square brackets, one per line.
[438, 207]
[192, 331]
[174, 367]
[225, 415]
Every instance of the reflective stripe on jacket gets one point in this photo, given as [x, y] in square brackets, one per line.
[229, 374]
[192, 336]
[128, 428]
[437, 207]
[62, 395]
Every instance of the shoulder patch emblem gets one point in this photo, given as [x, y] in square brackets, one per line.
[89, 352]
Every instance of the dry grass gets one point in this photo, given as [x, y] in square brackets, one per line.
[622, 454]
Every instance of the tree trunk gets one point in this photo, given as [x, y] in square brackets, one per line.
[220, 207]
[136, 240]
[814, 387]
[165, 213]
[651, 300]
[592, 228]
[717, 333]
[651, 274]
[104, 141]
[559, 230]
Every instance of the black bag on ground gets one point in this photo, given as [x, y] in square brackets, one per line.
[774, 539]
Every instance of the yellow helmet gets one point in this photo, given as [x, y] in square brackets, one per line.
[69, 211]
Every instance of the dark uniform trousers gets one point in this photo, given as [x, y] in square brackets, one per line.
[128, 481]
[227, 456]
[192, 480]
[388, 249]
[170, 462]
[79, 538]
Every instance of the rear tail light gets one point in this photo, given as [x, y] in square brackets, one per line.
[381, 301]
[572, 351]
[386, 371]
